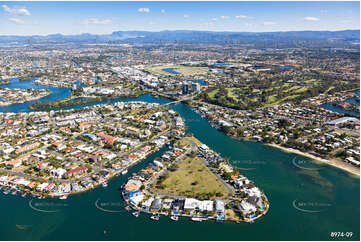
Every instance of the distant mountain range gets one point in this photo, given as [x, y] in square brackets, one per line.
[189, 36]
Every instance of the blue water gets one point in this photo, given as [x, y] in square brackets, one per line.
[56, 93]
[284, 68]
[336, 109]
[200, 81]
[222, 64]
[170, 70]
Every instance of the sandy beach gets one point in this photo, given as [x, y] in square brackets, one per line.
[333, 162]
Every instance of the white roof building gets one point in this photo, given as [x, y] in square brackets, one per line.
[137, 198]
[247, 207]
[192, 203]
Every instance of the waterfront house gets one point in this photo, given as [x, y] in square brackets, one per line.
[167, 203]
[247, 208]
[220, 208]
[255, 201]
[146, 204]
[135, 198]
[192, 204]
[157, 204]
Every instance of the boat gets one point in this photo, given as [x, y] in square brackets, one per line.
[198, 219]
[124, 172]
[136, 214]
[127, 208]
[174, 218]
[6, 192]
[13, 193]
[63, 197]
[104, 184]
[154, 217]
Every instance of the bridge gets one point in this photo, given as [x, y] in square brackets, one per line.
[181, 100]
[172, 98]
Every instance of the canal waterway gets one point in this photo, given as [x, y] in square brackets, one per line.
[308, 200]
[56, 93]
[352, 100]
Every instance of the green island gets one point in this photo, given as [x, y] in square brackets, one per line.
[4, 81]
[76, 100]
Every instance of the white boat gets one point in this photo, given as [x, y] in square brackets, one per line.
[174, 218]
[154, 217]
[104, 184]
[124, 172]
[198, 219]
[136, 214]
[63, 197]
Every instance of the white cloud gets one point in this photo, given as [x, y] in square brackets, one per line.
[241, 16]
[96, 21]
[323, 11]
[162, 11]
[186, 15]
[224, 17]
[269, 23]
[311, 18]
[214, 19]
[16, 11]
[16, 20]
[143, 10]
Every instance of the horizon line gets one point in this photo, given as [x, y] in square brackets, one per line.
[281, 31]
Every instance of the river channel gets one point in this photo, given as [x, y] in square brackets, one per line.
[308, 200]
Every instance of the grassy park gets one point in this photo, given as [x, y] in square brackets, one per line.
[183, 70]
[250, 96]
[192, 178]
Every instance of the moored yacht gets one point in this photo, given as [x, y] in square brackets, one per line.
[198, 219]
[154, 217]
[174, 218]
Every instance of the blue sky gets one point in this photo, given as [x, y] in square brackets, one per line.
[33, 18]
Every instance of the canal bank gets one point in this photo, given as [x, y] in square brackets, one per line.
[332, 196]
